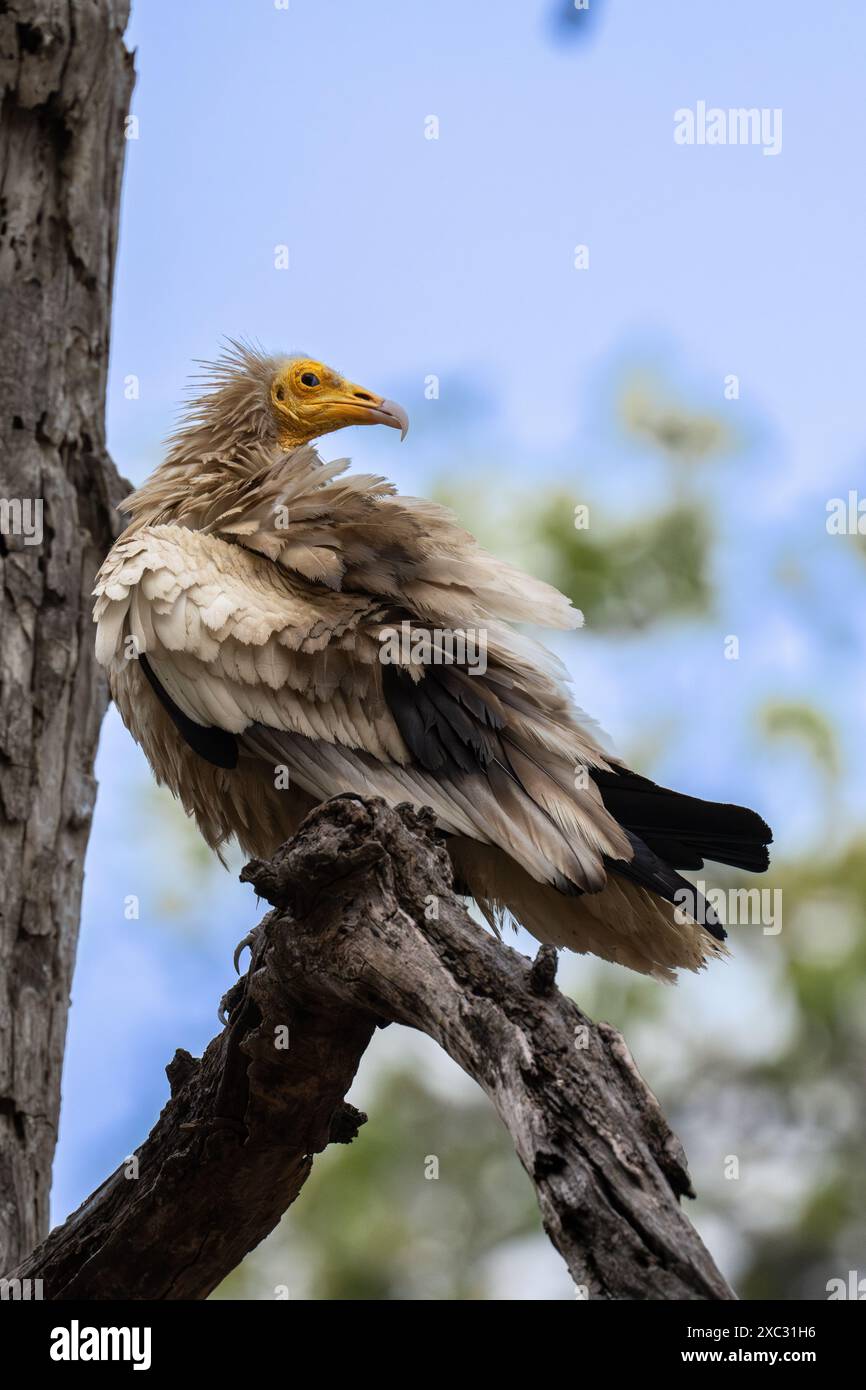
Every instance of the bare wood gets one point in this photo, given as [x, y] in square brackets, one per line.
[365, 930]
[65, 82]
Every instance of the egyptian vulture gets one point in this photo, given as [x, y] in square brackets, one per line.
[247, 618]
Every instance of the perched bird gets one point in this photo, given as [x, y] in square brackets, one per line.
[277, 632]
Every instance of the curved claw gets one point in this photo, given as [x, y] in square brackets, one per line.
[228, 1002]
[241, 947]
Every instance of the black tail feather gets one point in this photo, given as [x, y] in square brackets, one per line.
[650, 871]
[683, 830]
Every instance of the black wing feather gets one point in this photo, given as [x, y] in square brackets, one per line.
[216, 746]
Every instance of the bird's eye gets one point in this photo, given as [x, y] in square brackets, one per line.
[310, 379]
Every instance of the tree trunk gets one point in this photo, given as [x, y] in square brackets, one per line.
[366, 930]
[65, 82]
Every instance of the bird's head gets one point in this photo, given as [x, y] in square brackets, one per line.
[251, 396]
[309, 399]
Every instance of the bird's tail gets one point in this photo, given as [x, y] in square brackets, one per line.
[625, 922]
[683, 830]
[646, 916]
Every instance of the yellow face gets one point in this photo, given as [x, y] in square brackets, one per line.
[310, 399]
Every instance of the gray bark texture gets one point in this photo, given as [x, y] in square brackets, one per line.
[365, 930]
[65, 83]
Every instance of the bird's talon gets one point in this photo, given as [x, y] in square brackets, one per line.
[242, 946]
[229, 1002]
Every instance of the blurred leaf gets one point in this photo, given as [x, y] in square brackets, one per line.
[682, 434]
[634, 576]
[792, 720]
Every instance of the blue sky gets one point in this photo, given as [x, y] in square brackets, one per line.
[306, 127]
[260, 127]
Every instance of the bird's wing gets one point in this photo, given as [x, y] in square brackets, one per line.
[233, 642]
[354, 533]
[296, 676]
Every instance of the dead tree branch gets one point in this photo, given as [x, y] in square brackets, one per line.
[365, 929]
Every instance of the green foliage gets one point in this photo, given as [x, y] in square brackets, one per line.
[628, 577]
[621, 577]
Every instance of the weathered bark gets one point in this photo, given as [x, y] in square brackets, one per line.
[65, 82]
[366, 930]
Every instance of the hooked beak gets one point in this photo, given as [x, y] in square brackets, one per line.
[366, 408]
[390, 413]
